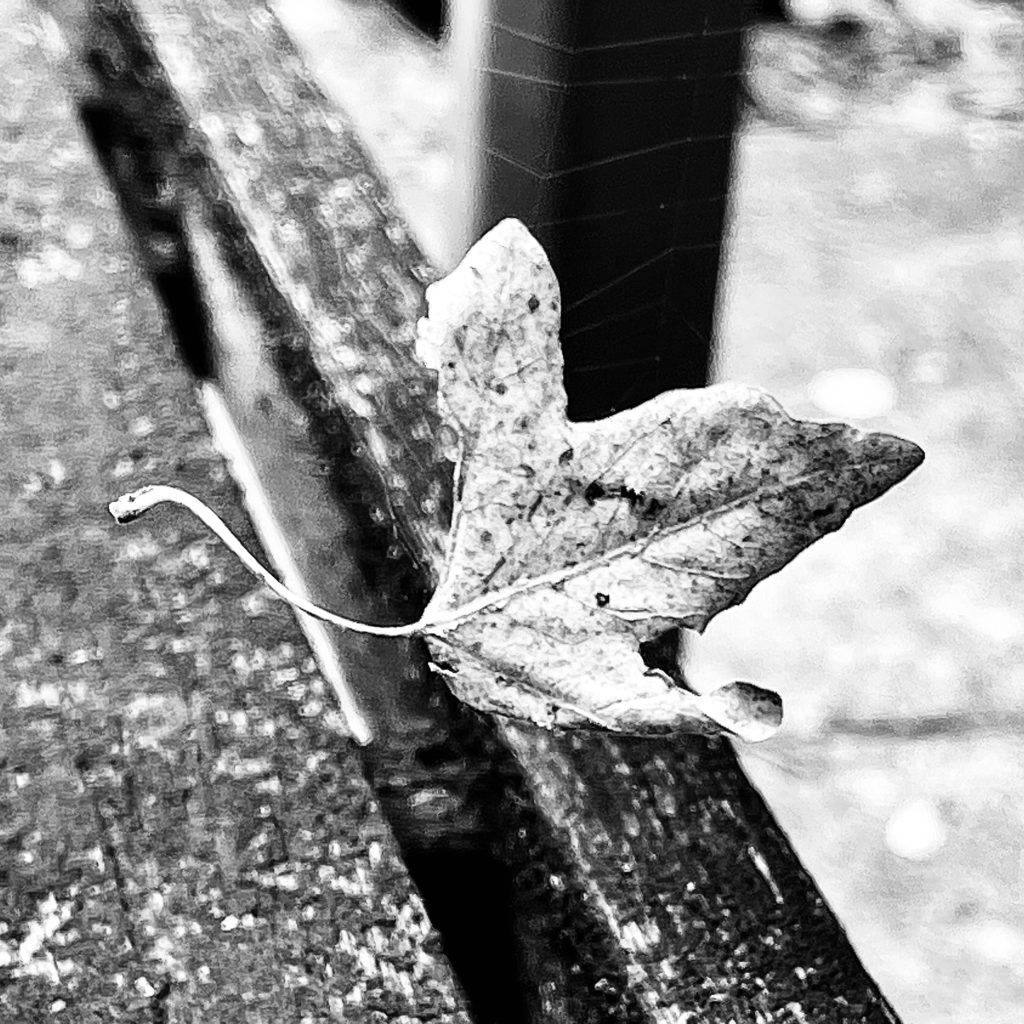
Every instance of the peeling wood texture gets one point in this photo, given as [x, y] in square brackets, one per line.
[641, 880]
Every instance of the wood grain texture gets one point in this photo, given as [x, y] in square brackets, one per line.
[183, 834]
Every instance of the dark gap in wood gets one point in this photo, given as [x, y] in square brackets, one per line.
[155, 227]
[428, 16]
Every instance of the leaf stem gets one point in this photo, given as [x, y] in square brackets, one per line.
[136, 503]
[130, 506]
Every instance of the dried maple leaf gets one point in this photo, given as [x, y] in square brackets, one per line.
[573, 544]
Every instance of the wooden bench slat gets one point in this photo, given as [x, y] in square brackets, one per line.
[182, 836]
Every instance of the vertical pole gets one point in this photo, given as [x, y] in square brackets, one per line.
[607, 128]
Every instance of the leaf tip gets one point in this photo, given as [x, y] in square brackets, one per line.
[749, 712]
[896, 458]
[910, 455]
[510, 245]
[512, 232]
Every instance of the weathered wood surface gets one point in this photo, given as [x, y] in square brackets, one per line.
[643, 880]
[183, 834]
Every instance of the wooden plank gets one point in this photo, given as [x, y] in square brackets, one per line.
[183, 834]
[643, 880]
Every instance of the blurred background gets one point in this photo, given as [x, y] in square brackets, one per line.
[874, 273]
